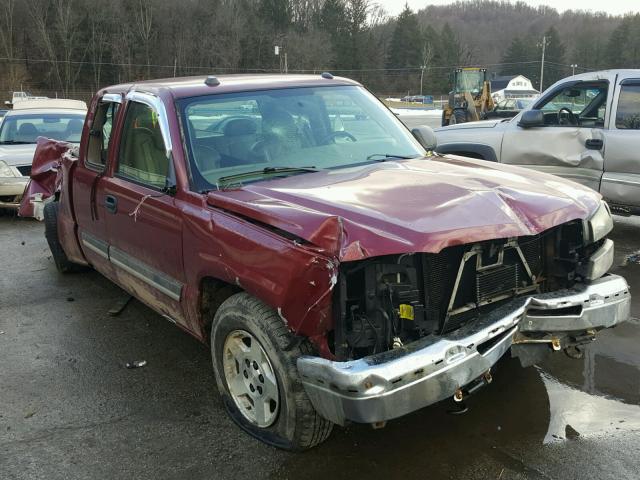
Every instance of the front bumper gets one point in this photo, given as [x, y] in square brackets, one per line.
[11, 190]
[391, 384]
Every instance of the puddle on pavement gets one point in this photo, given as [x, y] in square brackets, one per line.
[575, 413]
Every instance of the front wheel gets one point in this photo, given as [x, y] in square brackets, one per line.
[254, 361]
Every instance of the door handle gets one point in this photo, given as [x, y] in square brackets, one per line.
[594, 144]
[111, 203]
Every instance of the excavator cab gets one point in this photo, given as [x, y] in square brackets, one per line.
[470, 97]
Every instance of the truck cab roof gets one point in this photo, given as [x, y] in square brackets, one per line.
[195, 86]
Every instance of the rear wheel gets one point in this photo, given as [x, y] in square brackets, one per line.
[254, 361]
[51, 234]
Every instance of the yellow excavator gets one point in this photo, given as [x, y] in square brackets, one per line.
[470, 98]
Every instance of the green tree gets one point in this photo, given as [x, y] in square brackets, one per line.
[333, 21]
[357, 11]
[522, 58]
[405, 48]
[623, 50]
[278, 13]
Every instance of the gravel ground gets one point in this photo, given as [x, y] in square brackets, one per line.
[69, 409]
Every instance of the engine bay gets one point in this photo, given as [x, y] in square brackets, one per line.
[383, 303]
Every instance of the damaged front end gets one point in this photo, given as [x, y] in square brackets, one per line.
[414, 329]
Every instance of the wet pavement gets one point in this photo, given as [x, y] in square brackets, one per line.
[70, 409]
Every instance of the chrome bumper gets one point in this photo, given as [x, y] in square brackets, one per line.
[397, 382]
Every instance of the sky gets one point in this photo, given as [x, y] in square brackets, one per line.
[613, 7]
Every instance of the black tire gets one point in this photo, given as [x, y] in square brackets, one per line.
[460, 116]
[297, 425]
[51, 234]
[444, 122]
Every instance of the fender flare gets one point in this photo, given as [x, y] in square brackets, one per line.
[477, 150]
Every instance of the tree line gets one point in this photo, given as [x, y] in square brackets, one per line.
[73, 47]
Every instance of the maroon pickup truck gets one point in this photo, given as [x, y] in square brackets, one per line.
[339, 270]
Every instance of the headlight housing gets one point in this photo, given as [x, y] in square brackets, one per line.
[6, 170]
[599, 225]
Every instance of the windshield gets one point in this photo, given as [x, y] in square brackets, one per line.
[469, 81]
[233, 135]
[23, 129]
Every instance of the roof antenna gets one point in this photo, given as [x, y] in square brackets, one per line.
[212, 81]
[327, 75]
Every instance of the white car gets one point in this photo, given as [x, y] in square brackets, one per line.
[52, 118]
[585, 128]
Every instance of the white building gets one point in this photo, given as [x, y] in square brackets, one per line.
[512, 86]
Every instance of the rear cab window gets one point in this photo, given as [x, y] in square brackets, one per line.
[100, 134]
[628, 108]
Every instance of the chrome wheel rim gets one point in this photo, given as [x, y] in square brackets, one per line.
[250, 378]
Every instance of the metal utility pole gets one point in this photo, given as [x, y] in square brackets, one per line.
[282, 59]
[276, 50]
[544, 46]
[573, 69]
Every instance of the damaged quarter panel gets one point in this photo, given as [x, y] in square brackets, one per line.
[53, 165]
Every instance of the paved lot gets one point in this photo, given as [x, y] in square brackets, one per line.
[69, 409]
[417, 120]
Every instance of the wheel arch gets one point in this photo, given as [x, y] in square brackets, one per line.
[212, 293]
[472, 150]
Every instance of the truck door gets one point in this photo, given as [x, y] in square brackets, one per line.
[571, 143]
[143, 224]
[621, 179]
[88, 182]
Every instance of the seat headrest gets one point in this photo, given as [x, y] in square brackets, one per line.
[75, 125]
[27, 129]
[240, 126]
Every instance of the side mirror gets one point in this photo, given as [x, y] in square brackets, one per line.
[531, 118]
[426, 137]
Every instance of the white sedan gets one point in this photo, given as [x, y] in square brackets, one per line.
[52, 118]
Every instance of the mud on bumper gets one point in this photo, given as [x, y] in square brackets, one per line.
[391, 384]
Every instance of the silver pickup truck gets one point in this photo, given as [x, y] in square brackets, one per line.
[585, 128]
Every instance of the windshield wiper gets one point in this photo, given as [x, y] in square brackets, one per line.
[15, 142]
[385, 156]
[266, 171]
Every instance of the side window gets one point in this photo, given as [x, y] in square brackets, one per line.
[100, 135]
[628, 112]
[143, 157]
[578, 105]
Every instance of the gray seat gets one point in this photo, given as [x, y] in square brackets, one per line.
[27, 133]
[239, 135]
[74, 130]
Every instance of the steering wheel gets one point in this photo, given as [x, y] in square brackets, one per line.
[337, 134]
[571, 117]
[260, 151]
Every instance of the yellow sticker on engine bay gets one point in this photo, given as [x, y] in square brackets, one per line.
[406, 311]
